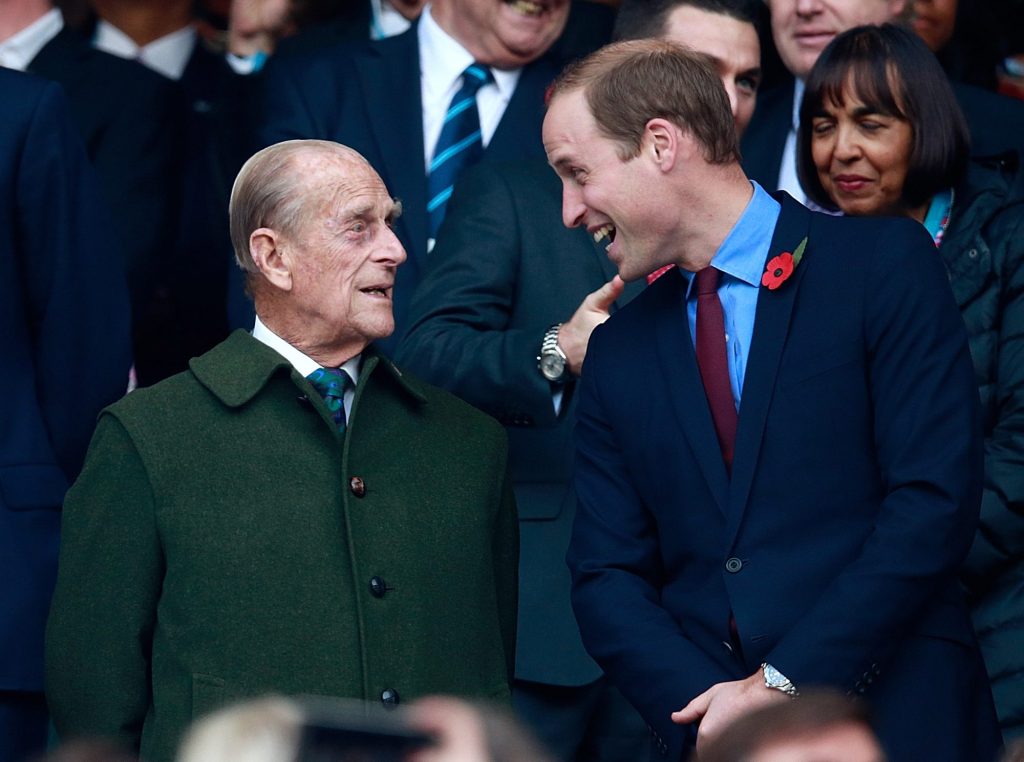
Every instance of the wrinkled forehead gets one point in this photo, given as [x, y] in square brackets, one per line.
[334, 181]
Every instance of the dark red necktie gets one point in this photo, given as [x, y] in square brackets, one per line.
[712, 359]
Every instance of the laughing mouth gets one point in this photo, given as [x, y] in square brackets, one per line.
[378, 291]
[603, 232]
[526, 7]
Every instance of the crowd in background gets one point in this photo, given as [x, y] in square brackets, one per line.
[119, 266]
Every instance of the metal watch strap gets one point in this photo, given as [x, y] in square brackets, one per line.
[777, 681]
[551, 356]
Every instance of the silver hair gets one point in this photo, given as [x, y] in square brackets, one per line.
[267, 194]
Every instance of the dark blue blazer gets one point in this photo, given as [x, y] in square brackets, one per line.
[853, 499]
[64, 328]
[996, 125]
[367, 96]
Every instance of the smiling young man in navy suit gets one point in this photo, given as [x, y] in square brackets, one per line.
[778, 453]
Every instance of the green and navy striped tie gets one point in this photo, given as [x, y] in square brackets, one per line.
[459, 145]
[332, 383]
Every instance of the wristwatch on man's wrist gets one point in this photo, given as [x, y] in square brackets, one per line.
[552, 361]
[777, 681]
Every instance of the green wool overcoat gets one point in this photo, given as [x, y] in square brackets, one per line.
[224, 541]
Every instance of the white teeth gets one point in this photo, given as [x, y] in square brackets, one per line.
[605, 231]
[527, 8]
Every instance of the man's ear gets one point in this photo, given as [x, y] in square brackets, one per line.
[265, 247]
[664, 143]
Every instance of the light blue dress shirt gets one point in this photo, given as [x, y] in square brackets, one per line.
[741, 259]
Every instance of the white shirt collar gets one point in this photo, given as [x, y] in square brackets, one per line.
[385, 21]
[167, 55]
[443, 59]
[302, 362]
[19, 50]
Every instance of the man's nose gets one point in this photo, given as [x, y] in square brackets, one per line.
[391, 250]
[573, 207]
[808, 7]
[730, 90]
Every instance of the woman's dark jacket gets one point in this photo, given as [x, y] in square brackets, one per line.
[984, 252]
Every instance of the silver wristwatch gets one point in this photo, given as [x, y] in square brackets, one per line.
[777, 681]
[552, 361]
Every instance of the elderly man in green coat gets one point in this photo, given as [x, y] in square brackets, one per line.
[294, 513]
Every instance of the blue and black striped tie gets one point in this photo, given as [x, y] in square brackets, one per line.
[459, 144]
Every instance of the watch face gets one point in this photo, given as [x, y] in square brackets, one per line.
[773, 677]
[552, 366]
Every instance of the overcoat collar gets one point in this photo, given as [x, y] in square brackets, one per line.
[238, 368]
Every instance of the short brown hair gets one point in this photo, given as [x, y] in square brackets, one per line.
[629, 83]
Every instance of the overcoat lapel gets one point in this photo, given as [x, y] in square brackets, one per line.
[678, 358]
[389, 73]
[771, 327]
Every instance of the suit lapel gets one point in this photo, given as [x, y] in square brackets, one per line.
[687, 398]
[771, 327]
[518, 135]
[764, 142]
[389, 73]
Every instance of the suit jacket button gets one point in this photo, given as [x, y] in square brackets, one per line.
[378, 588]
[357, 485]
[733, 565]
[389, 698]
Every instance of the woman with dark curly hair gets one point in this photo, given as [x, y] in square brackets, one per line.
[881, 134]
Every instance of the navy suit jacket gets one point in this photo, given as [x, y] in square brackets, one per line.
[65, 345]
[996, 125]
[853, 498]
[368, 97]
[504, 270]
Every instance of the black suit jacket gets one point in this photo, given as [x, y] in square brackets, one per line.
[503, 271]
[129, 119]
[213, 112]
[65, 349]
[367, 96]
[996, 125]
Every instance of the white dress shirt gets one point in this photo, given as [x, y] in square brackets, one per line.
[385, 21]
[789, 181]
[442, 61]
[305, 364]
[167, 55]
[18, 50]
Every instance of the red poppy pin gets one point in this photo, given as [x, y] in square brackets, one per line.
[779, 268]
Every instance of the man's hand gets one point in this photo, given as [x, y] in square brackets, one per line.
[574, 335]
[722, 703]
